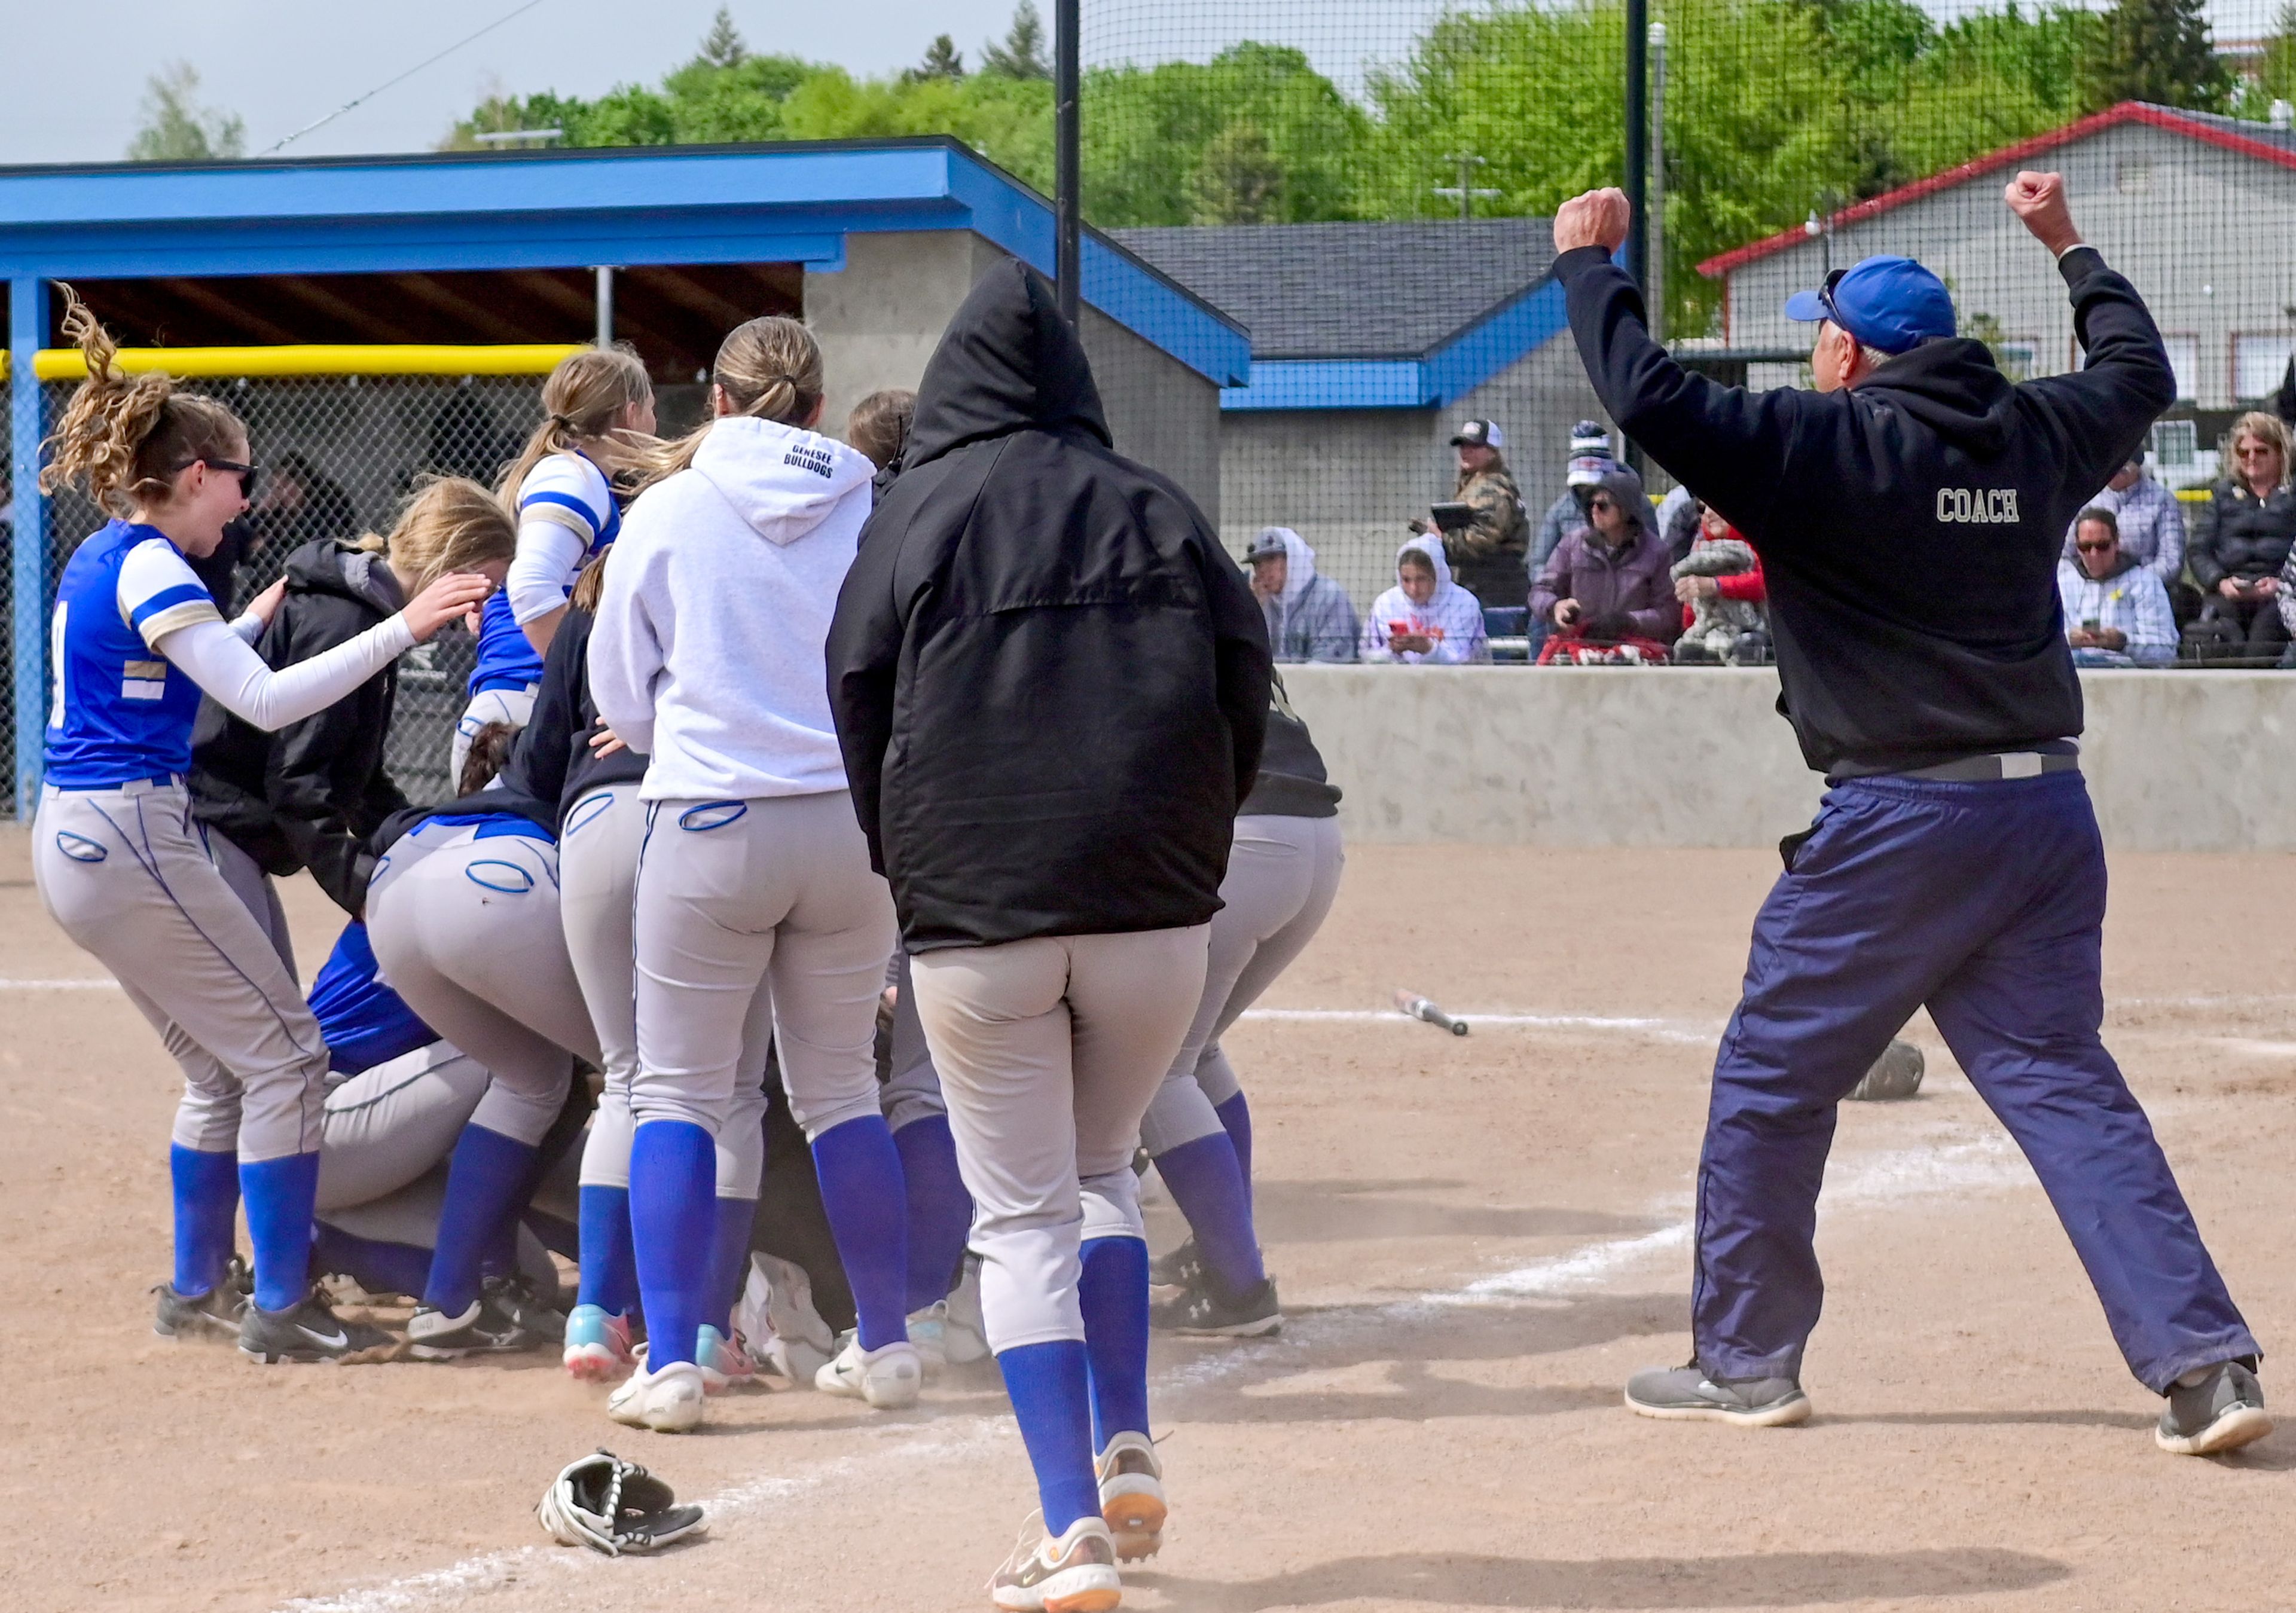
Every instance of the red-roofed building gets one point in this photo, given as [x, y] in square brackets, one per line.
[2198, 210]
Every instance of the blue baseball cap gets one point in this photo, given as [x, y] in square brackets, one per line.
[1890, 303]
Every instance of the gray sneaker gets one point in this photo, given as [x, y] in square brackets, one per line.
[2223, 1411]
[1686, 1393]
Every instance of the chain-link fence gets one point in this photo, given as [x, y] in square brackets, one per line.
[340, 454]
[1365, 184]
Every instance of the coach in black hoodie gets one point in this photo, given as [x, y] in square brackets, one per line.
[1909, 514]
[1051, 686]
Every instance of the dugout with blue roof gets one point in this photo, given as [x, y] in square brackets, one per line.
[380, 265]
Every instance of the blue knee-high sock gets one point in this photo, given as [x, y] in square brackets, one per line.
[861, 1194]
[378, 1268]
[206, 1215]
[940, 1211]
[486, 1184]
[1236, 1115]
[1208, 1186]
[729, 1258]
[1051, 1395]
[279, 1195]
[609, 1270]
[1113, 1295]
[673, 1190]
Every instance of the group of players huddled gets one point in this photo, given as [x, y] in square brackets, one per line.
[926, 796]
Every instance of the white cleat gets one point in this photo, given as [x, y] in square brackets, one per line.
[1132, 1495]
[888, 1377]
[668, 1402]
[774, 1317]
[964, 1336]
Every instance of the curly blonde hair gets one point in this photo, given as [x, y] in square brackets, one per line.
[124, 437]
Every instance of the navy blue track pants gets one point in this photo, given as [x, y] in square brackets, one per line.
[1986, 903]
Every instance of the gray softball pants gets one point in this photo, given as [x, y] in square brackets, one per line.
[912, 1091]
[511, 705]
[1282, 876]
[1049, 1050]
[386, 1126]
[253, 887]
[465, 926]
[771, 896]
[125, 873]
[597, 871]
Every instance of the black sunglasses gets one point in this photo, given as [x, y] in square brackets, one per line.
[2110, 543]
[248, 474]
[1825, 298]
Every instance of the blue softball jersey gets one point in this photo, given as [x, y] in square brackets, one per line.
[570, 491]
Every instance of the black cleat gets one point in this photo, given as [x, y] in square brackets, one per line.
[310, 1332]
[506, 1316]
[2223, 1411]
[1199, 1313]
[214, 1315]
[1184, 1267]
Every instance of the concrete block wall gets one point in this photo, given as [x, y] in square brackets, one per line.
[2176, 761]
[879, 319]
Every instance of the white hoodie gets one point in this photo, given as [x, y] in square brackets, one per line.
[708, 654]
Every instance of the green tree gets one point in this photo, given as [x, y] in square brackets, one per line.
[1239, 179]
[723, 45]
[942, 60]
[177, 128]
[1021, 55]
[2158, 51]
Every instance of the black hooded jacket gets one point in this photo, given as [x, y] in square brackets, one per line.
[553, 760]
[309, 795]
[1909, 528]
[1051, 684]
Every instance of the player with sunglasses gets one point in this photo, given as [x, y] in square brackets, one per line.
[135, 639]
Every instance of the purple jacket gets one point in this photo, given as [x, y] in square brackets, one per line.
[1623, 591]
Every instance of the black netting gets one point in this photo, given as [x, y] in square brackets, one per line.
[1367, 187]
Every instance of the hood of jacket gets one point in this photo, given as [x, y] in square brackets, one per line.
[1299, 566]
[1428, 547]
[1007, 363]
[2122, 562]
[1626, 492]
[782, 480]
[330, 566]
[1955, 389]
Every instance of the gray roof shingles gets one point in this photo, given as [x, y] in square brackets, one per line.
[1353, 291]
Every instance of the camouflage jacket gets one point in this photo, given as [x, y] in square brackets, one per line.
[1500, 529]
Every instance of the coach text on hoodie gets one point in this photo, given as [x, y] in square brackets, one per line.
[1909, 526]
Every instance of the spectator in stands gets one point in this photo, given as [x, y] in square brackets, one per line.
[2241, 541]
[298, 504]
[1590, 462]
[1607, 582]
[1426, 618]
[1678, 523]
[1718, 580]
[1489, 553]
[2117, 611]
[2152, 523]
[1310, 617]
[879, 425]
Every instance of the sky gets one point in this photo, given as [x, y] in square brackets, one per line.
[280, 65]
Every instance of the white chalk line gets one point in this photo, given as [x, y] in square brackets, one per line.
[1664, 1030]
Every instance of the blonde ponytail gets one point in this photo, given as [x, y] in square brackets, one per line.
[769, 369]
[124, 437]
[581, 403]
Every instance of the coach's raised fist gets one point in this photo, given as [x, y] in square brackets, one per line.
[1599, 218]
[2039, 200]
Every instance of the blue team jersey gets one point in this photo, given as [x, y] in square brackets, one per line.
[119, 711]
[563, 490]
[364, 1021]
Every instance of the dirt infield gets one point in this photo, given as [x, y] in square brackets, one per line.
[1478, 1240]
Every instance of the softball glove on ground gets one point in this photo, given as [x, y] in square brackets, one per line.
[615, 1506]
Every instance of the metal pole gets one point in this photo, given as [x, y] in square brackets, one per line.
[1068, 163]
[1656, 292]
[1637, 133]
[605, 275]
[28, 330]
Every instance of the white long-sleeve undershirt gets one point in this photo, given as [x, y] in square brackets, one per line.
[549, 555]
[226, 666]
